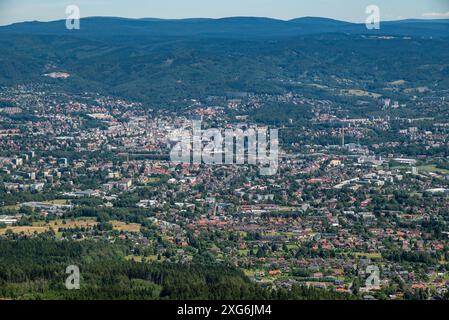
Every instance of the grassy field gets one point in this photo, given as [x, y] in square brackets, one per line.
[134, 258]
[360, 93]
[152, 258]
[122, 226]
[153, 180]
[397, 82]
[69, 224]
[88, 223]
[292, 246]
[42, 226]
[28, 230]
[368, 255]
[432, 168]
[58, 201]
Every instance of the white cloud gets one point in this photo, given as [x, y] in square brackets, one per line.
[436, 14]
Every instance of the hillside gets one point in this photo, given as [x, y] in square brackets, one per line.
[158, 61]
[235, 27]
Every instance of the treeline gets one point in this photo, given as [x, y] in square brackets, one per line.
[130, 215]
[35, 269]
[414, 257]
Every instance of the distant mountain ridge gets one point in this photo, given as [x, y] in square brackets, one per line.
[233, 27]
[165, 62]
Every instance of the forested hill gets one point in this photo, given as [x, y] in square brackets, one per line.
[35, 269]
[160, 62]
[161, 71]
[235, 27]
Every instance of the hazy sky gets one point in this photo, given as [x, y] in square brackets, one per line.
[350, 10]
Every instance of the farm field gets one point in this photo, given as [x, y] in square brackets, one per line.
[55, 225]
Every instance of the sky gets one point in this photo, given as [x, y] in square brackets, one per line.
[349, 10]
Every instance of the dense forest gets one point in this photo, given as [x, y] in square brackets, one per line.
[35, 269]
[164, 71]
